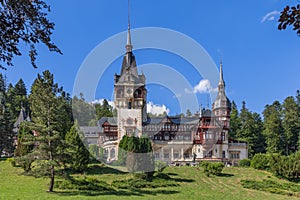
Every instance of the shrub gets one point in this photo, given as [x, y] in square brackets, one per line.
[272, 186]
[244, 162]
[160, 165]
[82, 183]
[287, 167]
[212, 168]
[12, 161]
[261, 161]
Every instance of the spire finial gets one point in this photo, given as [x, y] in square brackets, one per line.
[128, 45]
[221, 73]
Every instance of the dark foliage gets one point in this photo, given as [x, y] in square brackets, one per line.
[290, 16]
[211, 168]
[24, 21]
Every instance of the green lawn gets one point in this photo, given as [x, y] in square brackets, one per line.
[192, 184]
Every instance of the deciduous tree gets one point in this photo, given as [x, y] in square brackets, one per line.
[24, 21]
[290, 16]
[291, 124]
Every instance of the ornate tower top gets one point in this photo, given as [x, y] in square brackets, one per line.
[221, 81]
[221, 101]
[128, 44]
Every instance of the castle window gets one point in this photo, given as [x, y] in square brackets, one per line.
[129, 105]
[235, 155]
[217, 112]
[176, 155]
[157, 155]
[223, 154]
[166, 155]
[223, 136]
[120, 93]
[129, 131]
[112, 153]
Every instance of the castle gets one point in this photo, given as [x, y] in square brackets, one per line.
[174, 139]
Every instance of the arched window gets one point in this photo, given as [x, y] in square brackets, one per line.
[112, 153]
[137, 93]
[120, 93]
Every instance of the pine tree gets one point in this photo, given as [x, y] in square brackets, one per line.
[234, 121]
[6, 124]
[24, 135]
[273, 129]
[138, 153]
[79, 153]
[50, 147]
[17, 98]
[259, 139]
[6, 133]
[250, 131]
[103, 110]
[82, 112]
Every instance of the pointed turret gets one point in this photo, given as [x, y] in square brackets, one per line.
[129, 63]
[221, 102]
[128, 44]
[221, 81]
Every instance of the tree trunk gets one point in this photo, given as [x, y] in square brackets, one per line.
[51, 179]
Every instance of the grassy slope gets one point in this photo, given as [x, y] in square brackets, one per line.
[193, 185]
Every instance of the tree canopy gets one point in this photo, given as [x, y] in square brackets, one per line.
[290, 16]
[24, 21]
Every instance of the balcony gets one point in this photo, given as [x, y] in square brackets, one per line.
[238, 144]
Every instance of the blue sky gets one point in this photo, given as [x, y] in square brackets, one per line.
[260, 63]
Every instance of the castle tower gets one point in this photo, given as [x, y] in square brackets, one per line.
[222, 106]
[221, 111]
[130, 94]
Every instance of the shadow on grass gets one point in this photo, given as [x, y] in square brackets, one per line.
[96, 169]
[225, 175]
[135, 192]
[172, 174]
[180, 180]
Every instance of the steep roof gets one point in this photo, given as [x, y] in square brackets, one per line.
[22, 117]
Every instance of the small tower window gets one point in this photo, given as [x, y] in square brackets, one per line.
[129, 105]
[223, 136]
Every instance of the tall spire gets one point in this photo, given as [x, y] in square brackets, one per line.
[128, 45]
[221, 81]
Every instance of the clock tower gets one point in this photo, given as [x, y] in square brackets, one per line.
[130, 95]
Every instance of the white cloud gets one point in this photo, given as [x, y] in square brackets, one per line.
[204, 86]
[156, 109]
[152, 108]
[100, 101]
[270, 16]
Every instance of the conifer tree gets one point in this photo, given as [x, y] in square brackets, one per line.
[79, 154]
[50, 147]
[139, 155]
[273, 129]
[6, 125]
[17, 98]
[234, 121]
